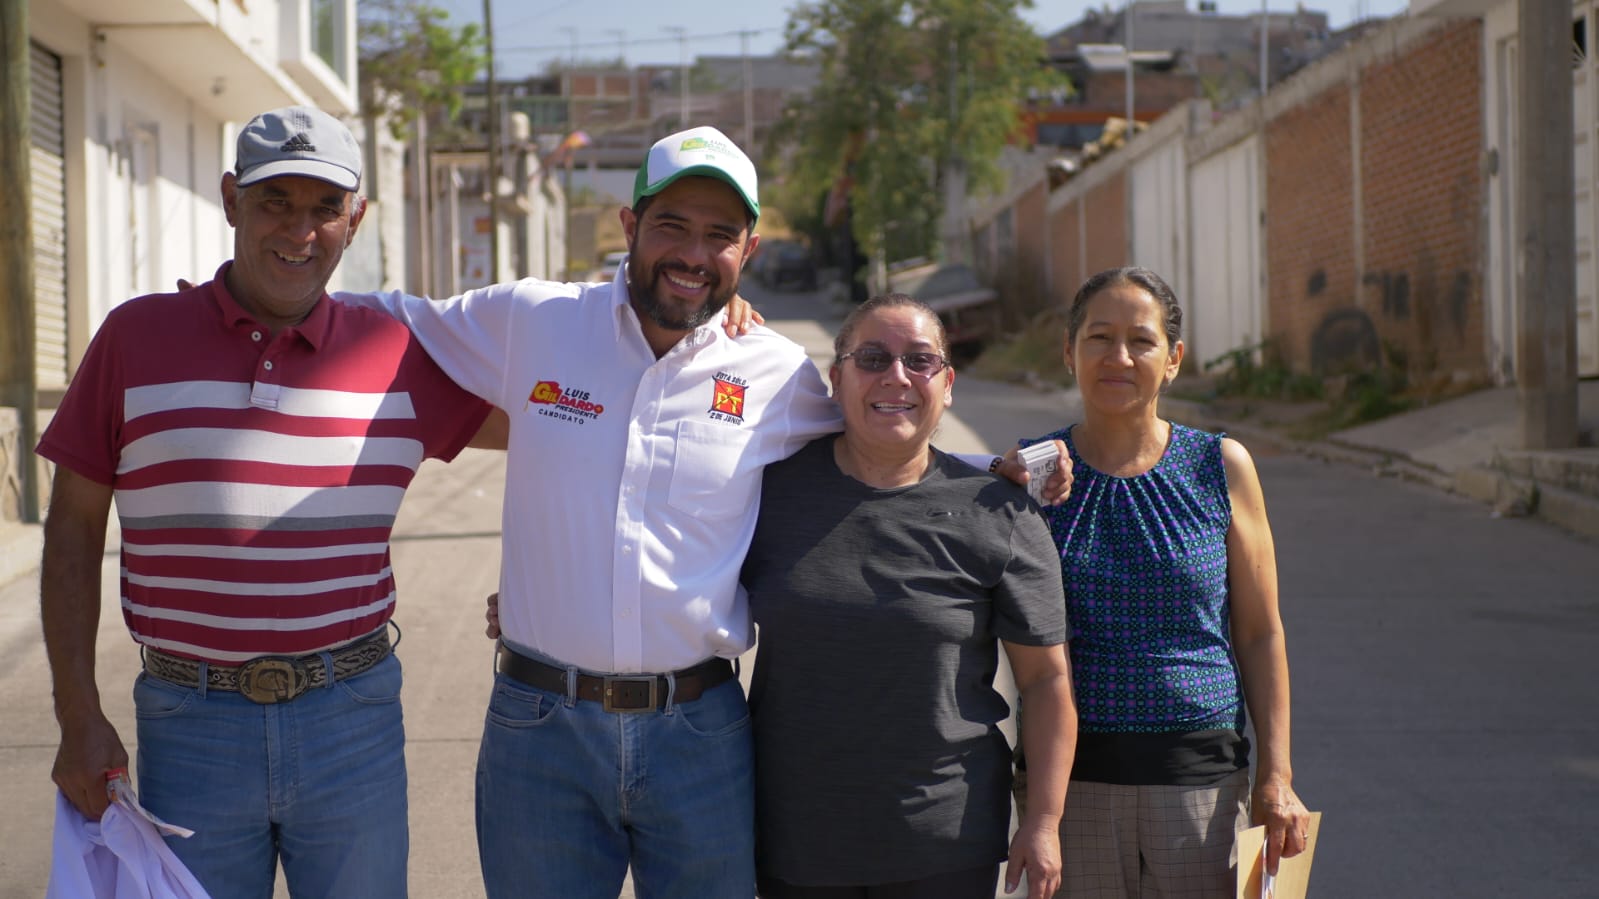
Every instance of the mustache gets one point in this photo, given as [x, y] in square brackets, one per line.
[697, 271]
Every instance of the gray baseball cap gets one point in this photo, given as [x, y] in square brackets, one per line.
[298, 140]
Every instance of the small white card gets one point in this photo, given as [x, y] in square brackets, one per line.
[1041, 460]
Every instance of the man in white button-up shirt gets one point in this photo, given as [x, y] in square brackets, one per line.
[616, 734]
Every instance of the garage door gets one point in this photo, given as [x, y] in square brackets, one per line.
[49, 221]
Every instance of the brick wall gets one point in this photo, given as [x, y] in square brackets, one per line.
[1309, 223]
[1066, 271]
[1383, 265]
[1411, 291]
[1107, 226]
[1422, 193]
[1075, 255]
[1028, 294]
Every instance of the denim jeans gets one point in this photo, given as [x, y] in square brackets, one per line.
[317, 783]
[569, 795]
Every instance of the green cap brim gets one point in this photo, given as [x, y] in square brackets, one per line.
[642, 190]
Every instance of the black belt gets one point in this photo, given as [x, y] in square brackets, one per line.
[619, 692]
[272, 679]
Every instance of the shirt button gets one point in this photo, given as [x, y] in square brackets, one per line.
[255, 336]
[627, 550]
[267, 365]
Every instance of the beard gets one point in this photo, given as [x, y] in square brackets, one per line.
[649, 299]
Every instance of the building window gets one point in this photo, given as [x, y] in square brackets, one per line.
[328, 20]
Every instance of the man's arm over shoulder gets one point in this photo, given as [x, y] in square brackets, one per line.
[803, 409]
[469, 336]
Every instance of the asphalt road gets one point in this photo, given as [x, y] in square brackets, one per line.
[1445, 667]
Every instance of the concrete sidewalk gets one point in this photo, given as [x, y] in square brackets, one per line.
[1468, 445]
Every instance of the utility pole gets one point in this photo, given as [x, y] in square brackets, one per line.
[682, 72]
[493, 178]
[627, 69]
[18, 375]
[1129, 36]
[749, 93]
[1265, 40]
[1546, 309]
[424, 211]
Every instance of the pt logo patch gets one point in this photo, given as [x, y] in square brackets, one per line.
[727, 398]
[564, 404]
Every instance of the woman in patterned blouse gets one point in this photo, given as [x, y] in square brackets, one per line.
[1171, 589]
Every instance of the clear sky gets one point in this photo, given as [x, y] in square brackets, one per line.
[528, 34]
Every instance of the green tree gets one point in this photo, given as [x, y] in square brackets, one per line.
[413, 62]
[908, 89]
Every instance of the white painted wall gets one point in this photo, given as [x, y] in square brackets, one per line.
[1160, 213]
[143, 165]
[1586, 164]
[1224, 306]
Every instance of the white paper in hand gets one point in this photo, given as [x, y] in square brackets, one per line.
[1041, 460]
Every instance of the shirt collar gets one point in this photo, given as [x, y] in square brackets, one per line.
[313, 329]
[623, 315]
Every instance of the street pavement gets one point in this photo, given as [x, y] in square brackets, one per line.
[1445, 665]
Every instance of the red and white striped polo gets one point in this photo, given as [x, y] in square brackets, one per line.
[256, 477]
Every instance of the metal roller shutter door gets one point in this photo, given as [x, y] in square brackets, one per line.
[49, 220]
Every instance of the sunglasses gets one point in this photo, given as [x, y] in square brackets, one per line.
[874, 360]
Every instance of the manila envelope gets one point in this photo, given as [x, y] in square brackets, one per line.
[1293, 874]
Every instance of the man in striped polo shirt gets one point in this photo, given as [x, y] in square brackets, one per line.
[257, 438]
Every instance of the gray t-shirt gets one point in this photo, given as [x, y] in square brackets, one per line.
[877, 752]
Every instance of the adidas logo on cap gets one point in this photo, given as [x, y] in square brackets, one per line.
[302, 141]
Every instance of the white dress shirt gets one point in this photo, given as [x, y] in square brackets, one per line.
[631, 482]
[121, 856]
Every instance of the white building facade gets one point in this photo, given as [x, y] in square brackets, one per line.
[135, 106]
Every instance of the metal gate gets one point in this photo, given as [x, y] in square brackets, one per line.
[48, 163]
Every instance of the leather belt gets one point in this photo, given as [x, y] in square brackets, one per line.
[618, 692]
[268, 680]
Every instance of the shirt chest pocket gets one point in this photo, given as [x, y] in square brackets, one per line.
[713, 472]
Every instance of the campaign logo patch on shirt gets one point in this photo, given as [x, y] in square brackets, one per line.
[564, 404]
[727, 398]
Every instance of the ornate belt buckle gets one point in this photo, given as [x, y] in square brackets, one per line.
[630, 694]
[271, 679]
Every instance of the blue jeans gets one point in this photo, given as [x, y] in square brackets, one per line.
[568, 795]
[317, 782]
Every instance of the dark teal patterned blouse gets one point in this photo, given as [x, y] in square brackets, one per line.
[1145, 566]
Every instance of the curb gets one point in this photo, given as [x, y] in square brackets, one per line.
[1511, 496]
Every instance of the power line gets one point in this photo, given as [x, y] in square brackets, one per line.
[634, 42]
[542, 14]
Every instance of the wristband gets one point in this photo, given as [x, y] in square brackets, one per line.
[994, 465]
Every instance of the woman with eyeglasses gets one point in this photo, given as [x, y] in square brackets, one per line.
[1171, 585]
[884, 576]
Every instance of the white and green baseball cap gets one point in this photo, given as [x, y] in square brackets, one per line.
[697, 151]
